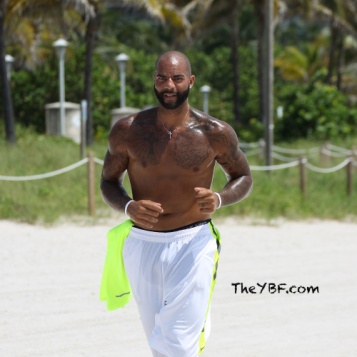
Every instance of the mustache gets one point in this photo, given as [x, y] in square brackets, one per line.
[168, 91]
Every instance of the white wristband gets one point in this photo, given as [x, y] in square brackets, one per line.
[219, 199]
[126, 206]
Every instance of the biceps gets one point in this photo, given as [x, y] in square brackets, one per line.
[114, 166]
[234, 163]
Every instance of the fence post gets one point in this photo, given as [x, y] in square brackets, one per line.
[91, 183]
[302, 167]
[349, 170]
[354, 157]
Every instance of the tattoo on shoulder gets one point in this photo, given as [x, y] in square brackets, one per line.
[149, 144]
[230, 157]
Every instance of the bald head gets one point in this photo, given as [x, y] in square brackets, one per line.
[174, 58]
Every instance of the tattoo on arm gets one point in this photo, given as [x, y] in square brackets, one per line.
[113, 192]
[236, 167]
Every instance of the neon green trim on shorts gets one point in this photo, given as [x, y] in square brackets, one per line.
[216, 234]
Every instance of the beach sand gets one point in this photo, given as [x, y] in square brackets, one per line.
[50, 278]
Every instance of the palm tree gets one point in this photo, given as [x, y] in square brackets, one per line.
[92, 27]
[37, 13]
[6, 90]
[179, 15]
[341, 24]
[204, 17]
[342, 15]
[300, 65]
[235, 59]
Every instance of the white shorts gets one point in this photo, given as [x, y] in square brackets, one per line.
[172, 275]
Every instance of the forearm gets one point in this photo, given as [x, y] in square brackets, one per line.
[236, 190]
[114, 195]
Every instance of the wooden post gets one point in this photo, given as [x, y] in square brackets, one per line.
[349, 171]
[354, 157]
[302, 162]
[91, 187]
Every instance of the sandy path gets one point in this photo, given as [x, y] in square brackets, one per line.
[50, 279]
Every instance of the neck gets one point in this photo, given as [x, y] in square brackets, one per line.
[173, 117]
[172, 124]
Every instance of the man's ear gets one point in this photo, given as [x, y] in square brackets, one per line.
[192, 80]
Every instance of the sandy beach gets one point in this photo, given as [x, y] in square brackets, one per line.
[50, 277]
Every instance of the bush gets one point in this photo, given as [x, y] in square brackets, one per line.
[317, 111]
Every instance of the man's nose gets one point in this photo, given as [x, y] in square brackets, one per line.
[169, 83]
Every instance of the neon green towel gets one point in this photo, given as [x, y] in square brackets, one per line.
[115, 286]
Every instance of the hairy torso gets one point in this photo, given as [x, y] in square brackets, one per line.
[167, 170]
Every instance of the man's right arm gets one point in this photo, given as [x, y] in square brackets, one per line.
[143, 212]
[111, 185]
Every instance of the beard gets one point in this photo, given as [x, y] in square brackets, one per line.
[180, 98]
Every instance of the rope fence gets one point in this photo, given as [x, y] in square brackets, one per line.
[274, 167]
[46, 175]
[300, 160]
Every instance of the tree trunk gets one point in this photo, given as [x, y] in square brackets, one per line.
[268, 79]
[5, 84]
[333, 45]
[340, 60]
[259, 13]
[235, 61]
[91, 30]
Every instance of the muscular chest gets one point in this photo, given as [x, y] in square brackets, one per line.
[188, 150]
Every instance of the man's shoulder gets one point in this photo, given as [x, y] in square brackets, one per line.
[122, 126]
[136, 118]
[209, 122]
[219, 133]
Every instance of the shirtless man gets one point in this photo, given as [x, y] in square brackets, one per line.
[171, 253]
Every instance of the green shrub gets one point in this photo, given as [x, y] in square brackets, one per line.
[315, 111]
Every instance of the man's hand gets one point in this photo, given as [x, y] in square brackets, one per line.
[206, 199]
[144, 213]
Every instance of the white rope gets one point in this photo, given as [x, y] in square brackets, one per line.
[295, 151]
[330, 169]
[249, 145]
[274, 167]
[337, 148]
[46, 175]
[252, 152]
[282, 158]
[334, 154]
[99, 161]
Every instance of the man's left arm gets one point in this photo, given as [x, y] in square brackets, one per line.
[236, 167]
